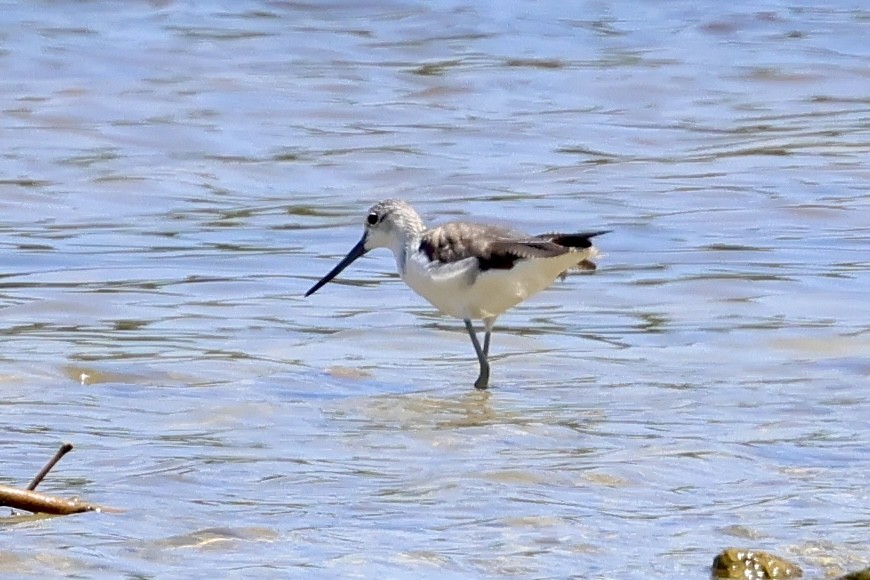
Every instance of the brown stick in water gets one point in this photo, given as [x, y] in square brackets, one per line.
[32, 501]
[36, 502]
[64, 449]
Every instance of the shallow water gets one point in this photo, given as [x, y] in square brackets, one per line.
[173, 177]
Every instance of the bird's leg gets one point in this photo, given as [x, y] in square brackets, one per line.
[487, 326]
[483, 379]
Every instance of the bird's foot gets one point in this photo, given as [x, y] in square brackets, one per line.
[482, 382]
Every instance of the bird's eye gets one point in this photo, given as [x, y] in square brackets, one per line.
[373, 219]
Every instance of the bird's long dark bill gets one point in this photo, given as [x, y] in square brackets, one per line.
[357, 251]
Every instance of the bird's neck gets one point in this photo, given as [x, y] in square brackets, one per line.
[408, 243]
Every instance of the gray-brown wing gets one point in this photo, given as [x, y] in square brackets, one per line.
[497, 247]
[460, 240]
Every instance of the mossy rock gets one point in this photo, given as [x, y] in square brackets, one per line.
[752, 564]
[859, 575]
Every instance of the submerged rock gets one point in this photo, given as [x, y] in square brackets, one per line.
[752, 565]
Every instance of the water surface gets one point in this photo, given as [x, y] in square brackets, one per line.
[173, 177]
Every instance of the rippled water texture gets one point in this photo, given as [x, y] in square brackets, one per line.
[173, 176]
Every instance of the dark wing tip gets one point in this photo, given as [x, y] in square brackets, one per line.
[583, 240]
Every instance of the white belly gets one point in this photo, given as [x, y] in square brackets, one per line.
[459, 290]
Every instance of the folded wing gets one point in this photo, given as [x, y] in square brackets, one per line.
[500, 248]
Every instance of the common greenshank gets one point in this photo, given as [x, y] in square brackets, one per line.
[467, 270]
